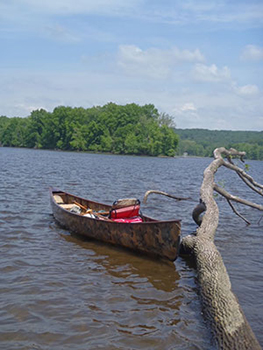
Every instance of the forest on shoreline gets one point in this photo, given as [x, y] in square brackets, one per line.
[121, 129]
[129, 129]
[202, 142]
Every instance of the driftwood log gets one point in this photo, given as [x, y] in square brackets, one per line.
[229, 325]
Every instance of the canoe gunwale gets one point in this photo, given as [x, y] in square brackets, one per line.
[151, 220]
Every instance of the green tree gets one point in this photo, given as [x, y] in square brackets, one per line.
[35, 129]
[14, 132]
[131, 144]
[79, 137]
[128, 129]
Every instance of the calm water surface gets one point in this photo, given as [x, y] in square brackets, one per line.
[58, 291]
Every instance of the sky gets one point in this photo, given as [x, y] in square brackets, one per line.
[201, 62]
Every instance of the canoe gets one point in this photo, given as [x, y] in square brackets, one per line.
[143, 234]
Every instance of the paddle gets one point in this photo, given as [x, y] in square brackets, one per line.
[90, 211]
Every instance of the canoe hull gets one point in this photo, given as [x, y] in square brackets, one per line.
[159, 238]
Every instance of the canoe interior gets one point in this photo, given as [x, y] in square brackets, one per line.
[66, 201]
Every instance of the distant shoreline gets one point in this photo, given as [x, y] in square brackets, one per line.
[114, 154]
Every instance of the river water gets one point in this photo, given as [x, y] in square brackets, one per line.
[58, 291]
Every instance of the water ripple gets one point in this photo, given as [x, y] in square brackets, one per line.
[59, 291]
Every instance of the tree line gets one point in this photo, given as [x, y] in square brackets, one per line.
[129, 129]
[202, 142]
[117, 129]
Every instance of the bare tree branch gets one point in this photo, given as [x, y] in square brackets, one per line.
[236, 212]
[164, 194]
[234, 167]
[229, 196]
[248, 180]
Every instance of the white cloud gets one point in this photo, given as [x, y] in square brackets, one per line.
[252, 53]
[225, 13]
[33, 15]
[153, 62]
[186, 55]
[216, 12]
[186, 114]
[211, 73]
[189, 106]
[28, 108]
[247, 90]
[175, 12]
[61, 33]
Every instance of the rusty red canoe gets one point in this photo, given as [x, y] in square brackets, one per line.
[92, 219]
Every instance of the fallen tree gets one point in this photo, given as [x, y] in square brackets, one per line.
[229, 325]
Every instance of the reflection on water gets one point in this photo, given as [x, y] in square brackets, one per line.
[59, 291]
[124, 264]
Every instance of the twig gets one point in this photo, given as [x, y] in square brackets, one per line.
[229, 196]
[247, 179]
[164, 194]
[236, 212]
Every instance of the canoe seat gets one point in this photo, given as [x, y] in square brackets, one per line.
[66, 206]
[58, 199]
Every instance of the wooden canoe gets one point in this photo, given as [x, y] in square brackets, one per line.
[154, 237]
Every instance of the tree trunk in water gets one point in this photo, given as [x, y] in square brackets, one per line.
[229, 325]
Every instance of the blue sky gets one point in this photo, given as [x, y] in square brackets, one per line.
[199, 61]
